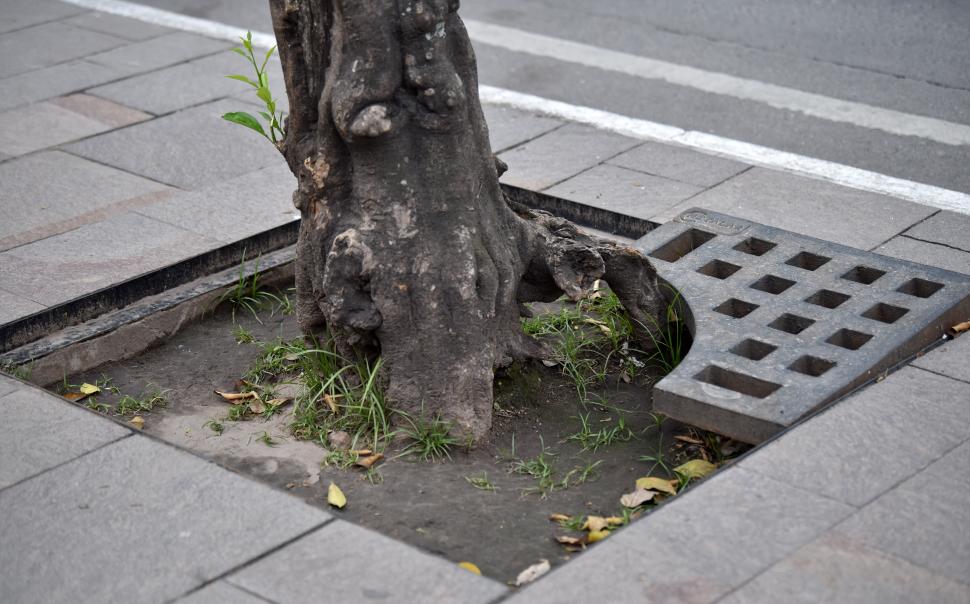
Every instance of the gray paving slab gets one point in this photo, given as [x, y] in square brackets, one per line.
[624, 191]
[188, 149]
[221, 592]
[137, 521]
[129, 29]
[82, 261]
[44, 45]
[926, 253]
[101, 110]
[43, 125]
[53, 81]
[18, 14]
[159, 52]
[812, 207]
[13, 307]
[186, 84]
[679, 163]
[8, 384]
[43, 192]
[233, 209]
[353, 564]
[838, 569]
[560, 154]
[40, 431]
[952, 359]
[697, 547]
[926, 518]
[870, 442]
[948, 228]
[508, 127]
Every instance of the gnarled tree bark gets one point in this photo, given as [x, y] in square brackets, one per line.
[408, 248]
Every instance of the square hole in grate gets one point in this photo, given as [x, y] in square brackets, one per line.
[791, 323]
[807, 261]
[772, 284]
[812, 366]
[719, 269]
[735, 308]
[682, 244]
[755, 246]
[863, 274]
[827, 298]
[738, 382]
[753, 349]
[887, 313]
[921, 288]
[848, 338]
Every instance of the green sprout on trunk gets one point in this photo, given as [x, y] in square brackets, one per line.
[273, 117]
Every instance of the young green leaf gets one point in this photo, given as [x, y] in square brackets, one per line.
[264, 94]
[243, 78]
[244, 119]
[269, 53]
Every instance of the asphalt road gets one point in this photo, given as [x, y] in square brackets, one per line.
[899, 60]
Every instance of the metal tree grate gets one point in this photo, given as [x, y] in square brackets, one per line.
[785, 324]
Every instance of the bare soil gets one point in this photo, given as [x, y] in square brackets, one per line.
[430, 505]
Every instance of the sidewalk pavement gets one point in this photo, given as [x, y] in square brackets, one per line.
[114, 163]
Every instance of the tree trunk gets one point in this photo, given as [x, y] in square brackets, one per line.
[408, 248]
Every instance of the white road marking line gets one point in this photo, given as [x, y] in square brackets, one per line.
[944, 199]
[779, 97]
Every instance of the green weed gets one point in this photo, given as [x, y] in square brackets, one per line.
[429, 439]
[481, 482]
[148, 401]
[274, 119]
[591, 440]
[18, 371]
[215, 425]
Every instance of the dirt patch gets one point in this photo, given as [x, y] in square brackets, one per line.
[446, 507]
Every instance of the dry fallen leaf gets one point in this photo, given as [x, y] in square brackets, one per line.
[657, 484]
[689, 439]
[595, 536]
[960, 327]
[559, 517]
[339, 439]
[595, 523]
[637, 498]
[614, 520]
[570, 540]
[533, 572]
[89, 389]
[549, 363]
[276, 402]
[256, 405]
[74, 396]
[695, 468]
[237, 397]
[336, 497]
[138, 422]
[369, 460]
[470, 568]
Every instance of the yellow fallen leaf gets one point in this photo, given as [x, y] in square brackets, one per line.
[336, 497]
[595, 523]
[361, 452]
[331, 401]
[138, 422]
[695, 468]
[470, 568]
[595, 536]
[559, 517]
[236, 397]
[276, 402]
[637, 498]
[369, 460]
[656, 484]
[533, 572]
[89, 389]
[614, 520]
